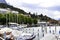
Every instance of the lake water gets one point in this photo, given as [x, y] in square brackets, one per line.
[39, 33]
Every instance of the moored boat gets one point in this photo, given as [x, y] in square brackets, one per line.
[10, 34]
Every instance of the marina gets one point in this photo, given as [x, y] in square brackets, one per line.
[10, 34]
[36, 33]
[40, 34]
[29, 20]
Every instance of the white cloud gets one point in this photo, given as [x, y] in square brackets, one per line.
[31, 1]
[56, 14]
[49, 13]
[14, 2]
[40, 3]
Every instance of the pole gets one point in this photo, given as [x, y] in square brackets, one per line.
[17, 18]
[6, 19]
[55, 29]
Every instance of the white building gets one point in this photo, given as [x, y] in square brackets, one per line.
[3, 10]
[7, 10]
[42, 23]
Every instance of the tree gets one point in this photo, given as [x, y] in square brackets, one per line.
[2, 19]
[29, 20]
[25, 20]
[16, 18]
[35, 21]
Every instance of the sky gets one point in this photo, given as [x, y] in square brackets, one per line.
[50, 8]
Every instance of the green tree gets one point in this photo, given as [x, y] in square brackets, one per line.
[35, 21]
[2, 19]
[29, 20]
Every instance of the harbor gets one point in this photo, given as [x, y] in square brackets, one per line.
[39, 33]
[29, 20]
[11, 34]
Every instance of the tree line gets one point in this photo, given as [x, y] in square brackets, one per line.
[16, 18]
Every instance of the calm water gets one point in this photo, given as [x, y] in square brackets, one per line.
[39, 33]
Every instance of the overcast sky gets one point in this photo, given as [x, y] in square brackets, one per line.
[50, 8]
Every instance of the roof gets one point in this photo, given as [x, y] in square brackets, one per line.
[13, 23]
[2, 9]
[43, 22]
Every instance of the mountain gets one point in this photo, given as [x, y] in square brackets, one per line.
[2, 1]
[3, 4]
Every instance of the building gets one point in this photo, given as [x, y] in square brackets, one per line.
[43, 23]
[2, 10]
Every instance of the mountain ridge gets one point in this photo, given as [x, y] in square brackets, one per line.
[4, 5]
[3, 1]
[41, 17]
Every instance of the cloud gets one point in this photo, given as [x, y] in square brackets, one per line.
[56, 15]
[43, 3]
[54, 8]
[50, 8]
[31, 6]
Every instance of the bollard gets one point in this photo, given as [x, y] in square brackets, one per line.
[53, 31]
[29, 30]
[26, 30]
[33, 31]
[23, 31]
[59, 32]
[43, 32]
[50, 31]
[38, 34]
